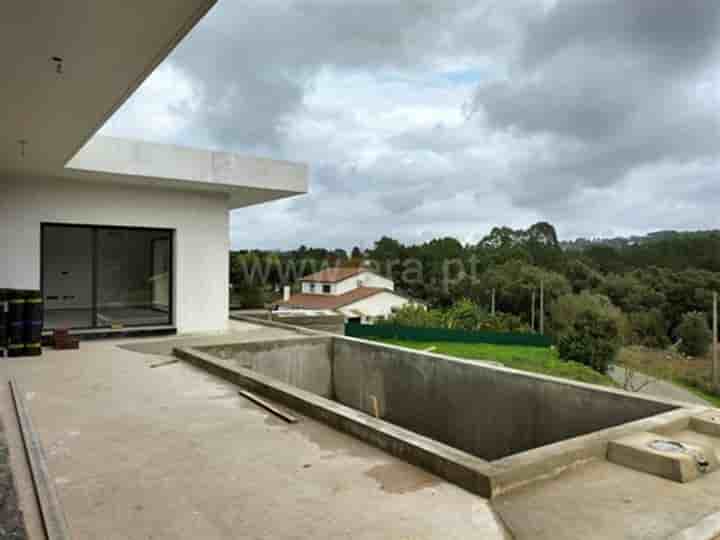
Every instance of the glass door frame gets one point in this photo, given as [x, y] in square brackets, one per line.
[95, 229]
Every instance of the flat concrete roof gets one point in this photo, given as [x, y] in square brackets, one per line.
[247, 180]
[52, 109]
[107, 50]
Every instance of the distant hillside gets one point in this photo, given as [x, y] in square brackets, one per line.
[581, 244]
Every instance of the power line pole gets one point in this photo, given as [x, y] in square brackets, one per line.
[715, 371]
[492, 308]
[542, 307]
[532, 311]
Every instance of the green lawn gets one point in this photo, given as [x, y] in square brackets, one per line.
[533, 359]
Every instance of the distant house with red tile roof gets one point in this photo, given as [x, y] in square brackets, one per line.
[358, 293]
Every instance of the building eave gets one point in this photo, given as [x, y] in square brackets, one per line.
[246, 180]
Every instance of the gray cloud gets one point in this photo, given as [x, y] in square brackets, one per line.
[598, 115]
[253, 61]
[613, 86]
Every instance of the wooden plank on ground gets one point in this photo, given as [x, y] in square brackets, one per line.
[52, 514]
[289, 418]
[166, 363]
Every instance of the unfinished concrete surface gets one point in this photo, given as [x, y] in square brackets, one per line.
[444, 398]
[601, 500]
[174, 453]
[486, 411]
[487, 429]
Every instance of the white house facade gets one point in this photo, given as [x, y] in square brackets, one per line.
[357, 293]
[115, 233]
[374, 307]
[363, 278]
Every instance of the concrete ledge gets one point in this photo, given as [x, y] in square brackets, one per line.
[636, 452]
[551, 460]
[276, 324]
[264, 344]
[707, 423]
[707, 529]
[458, 467]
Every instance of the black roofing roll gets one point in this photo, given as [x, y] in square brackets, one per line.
[3, 324]
[33, 323]
[16, 325]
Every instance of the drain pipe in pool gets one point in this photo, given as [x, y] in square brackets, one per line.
[376, 408]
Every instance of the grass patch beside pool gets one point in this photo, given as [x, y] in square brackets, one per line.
[540, 360]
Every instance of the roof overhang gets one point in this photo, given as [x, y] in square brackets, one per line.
[247, 180]
[107, 50]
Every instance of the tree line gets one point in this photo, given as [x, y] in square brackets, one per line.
[652, 283]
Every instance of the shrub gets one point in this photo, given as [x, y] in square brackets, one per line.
[416, 316]
[249, 297]
[589, 329]
[503, 322]
[695, 334]
[649, 329]
[464, 315]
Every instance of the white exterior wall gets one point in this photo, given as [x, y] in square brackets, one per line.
[378, 305]
[368, 280]
[306, 288]
[200, 221]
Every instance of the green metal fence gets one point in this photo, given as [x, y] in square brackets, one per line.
[409, 333]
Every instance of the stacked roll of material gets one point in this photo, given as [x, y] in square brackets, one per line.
[33, 324]
[21, 323]
[16, 324]
[3, 323]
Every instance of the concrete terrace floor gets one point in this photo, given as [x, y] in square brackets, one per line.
[174, 453]
[601, 500]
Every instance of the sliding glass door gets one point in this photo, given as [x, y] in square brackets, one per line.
[106, 277]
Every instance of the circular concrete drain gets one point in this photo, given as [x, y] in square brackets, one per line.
[668, 446]
[680, 448]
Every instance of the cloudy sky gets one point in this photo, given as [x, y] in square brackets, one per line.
[426, 118]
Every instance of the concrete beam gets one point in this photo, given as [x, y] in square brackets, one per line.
[248, 180]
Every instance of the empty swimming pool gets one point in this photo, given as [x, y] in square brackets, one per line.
[481, 426]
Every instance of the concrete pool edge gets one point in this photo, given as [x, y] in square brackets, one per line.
[486, 363]
[485, 478]
[549, 461]
[458, 467]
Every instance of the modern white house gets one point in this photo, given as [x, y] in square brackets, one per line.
[358, 293]
[115, 233]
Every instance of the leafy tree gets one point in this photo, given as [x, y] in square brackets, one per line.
[589, 329]
[695, 334]
[514, 283]
[464, 315]
[655, 280]
[605, 259]
[543, 246]
[582, 277]
[503, 322]
[416, 316]
[503, 244]
[649, 328]
[630, 293]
